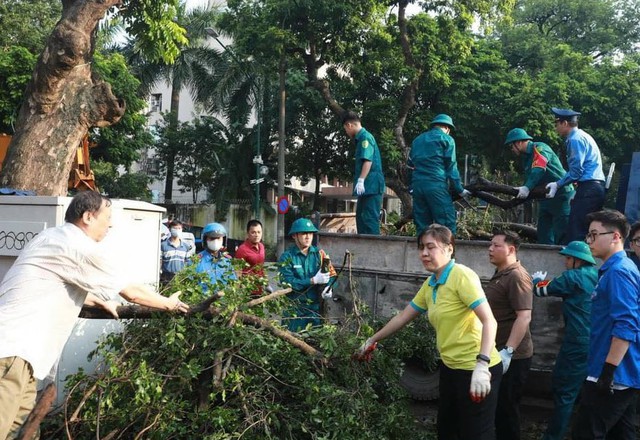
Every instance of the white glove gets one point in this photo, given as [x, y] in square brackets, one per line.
[465, 193]
[360, 186]
[523, 192]
[327, 293]
[552, 189]
[321, 277]
[539, 275]
[480, 382]
[506, 359]
[365, 352]
[366, 346]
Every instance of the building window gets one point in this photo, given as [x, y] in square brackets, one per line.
[156, 102]
[152, 166]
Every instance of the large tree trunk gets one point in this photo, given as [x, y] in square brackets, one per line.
[400, 185]
[62, 101]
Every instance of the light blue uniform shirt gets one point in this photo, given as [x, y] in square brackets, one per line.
[615, 312]
[218, 267]
[583, 156]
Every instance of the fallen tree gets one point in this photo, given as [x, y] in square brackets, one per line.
[482, 189]
[228, 370]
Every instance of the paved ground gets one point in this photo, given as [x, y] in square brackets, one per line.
[535, 412]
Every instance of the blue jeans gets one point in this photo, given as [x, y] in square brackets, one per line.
[589, 198]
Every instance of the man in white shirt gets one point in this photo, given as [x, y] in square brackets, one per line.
[42, 294]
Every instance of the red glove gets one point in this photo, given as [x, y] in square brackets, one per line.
[365, 352]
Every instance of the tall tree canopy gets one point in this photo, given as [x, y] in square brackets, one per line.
[386, 57]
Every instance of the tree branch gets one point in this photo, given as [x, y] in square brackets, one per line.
[263, 299]
[39, 412]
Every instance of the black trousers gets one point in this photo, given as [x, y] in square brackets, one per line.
[589, 198]
[459, 418]
[509, 397]
[604, 416]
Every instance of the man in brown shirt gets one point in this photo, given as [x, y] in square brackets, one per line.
[511, 299]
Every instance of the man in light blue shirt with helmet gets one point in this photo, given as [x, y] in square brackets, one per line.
[585, 170]
[214, 259]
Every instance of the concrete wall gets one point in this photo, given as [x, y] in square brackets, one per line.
[387, 273]
[235, 221]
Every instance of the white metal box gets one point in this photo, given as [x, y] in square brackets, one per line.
[134, 240]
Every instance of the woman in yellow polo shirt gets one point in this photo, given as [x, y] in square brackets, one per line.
[465, 336]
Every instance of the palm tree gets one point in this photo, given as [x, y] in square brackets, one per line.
[241, 88]
[195, 59]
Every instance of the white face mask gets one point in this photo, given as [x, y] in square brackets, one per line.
[215, 245]
[176, 233]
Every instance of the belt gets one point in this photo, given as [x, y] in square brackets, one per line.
[590, 181]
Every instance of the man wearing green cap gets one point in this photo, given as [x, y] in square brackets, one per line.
[308, 270]
[575, 287]
[433, 163]
[541, 166]
[369, 180]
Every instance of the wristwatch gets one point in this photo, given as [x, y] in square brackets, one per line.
[483, 357]
[510, 350]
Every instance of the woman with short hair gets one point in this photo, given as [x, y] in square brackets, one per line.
[465, 337]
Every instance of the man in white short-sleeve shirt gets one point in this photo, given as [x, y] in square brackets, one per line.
[42, 294]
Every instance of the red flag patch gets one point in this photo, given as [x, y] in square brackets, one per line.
[539, 161]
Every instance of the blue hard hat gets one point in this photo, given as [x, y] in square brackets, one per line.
[442, 119]
[214, 230]
[578, 249]
[565, 114]
[517, 134]
[302, 225]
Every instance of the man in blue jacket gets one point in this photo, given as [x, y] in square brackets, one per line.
[607, 408]
[214, 259]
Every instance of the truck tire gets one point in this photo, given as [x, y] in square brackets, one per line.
[420, 383]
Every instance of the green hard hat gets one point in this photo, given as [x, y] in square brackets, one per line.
[302, 225]
[517, 134]
[578, 249]
[442, 119]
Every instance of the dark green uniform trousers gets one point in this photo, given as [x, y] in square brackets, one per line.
[368, 214]
[553, 219]
[568, 376]
[433, 204]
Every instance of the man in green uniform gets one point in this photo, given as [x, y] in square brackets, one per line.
[433, 163]
[301, 266]
[368, 178]
[541, 166]
[575, 287]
